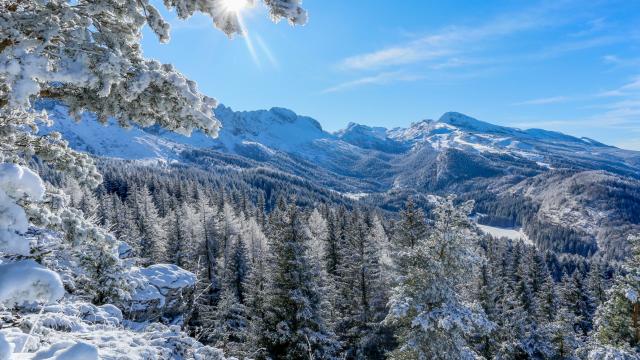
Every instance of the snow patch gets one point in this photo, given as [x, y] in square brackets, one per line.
[513, 234]
[13, 223]
[68, 351]
[26, 282]
[355, 196]
[168, 276]
[6, 348]
[18, 182]
[632, 295]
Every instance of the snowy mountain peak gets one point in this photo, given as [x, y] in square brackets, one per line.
[468, 123]
[368, 137]
[355, 128]
[264, 135]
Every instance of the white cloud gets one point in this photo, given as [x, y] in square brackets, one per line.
[382, 78]
[453, 40]
[545, 101]
[392, 56]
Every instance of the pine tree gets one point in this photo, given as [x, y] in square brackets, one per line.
[229, 329]
[429, 307]
[260, 215]
[89, 204]
[176, 242]
[361, 296]
[411, 228]
[334, 237]
[152, 242]
[562, 335]
[487, 295]
[597, 284]
[230, 323]
[577, 299]
[292, 325]
[104, 277]
[318, 233]
[618, 319]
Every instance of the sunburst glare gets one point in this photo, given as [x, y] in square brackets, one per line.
[235, 6]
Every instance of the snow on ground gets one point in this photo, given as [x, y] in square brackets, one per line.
[81, 331]
[168, 276]
[513, 234]
[355, 196]
[26, 282]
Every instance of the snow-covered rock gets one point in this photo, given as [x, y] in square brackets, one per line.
[167, 277]
[6, 348]
[125, 251]
[77, 316]
[611, 353]
[88, 340]
[27, 282]
[68, 350]
[160, 292]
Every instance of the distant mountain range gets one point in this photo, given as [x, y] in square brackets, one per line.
[555, 186]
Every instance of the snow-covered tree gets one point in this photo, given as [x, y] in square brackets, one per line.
[230, 328]
[577, 299]
[292, 326]
[429, 307]
[377, 235]
[252, 235]
[318, 234]
[617, 320]
[361, 295]
[411, 228]
[87, 54]
[597, 284]
[152, 242]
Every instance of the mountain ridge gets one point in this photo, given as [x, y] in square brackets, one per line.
[508, 171]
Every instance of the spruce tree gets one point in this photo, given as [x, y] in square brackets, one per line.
[360, 296]
[577, 299]
[618, 318]
[293, 327]
[230, 328]
[152, 242]
[430, 307]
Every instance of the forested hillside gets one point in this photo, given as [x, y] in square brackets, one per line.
[353, 264]
[140, 219]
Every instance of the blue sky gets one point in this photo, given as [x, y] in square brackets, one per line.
[570, 66]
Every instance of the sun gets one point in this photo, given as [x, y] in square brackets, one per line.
[235, 6]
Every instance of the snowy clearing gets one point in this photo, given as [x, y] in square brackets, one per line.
[513, 234]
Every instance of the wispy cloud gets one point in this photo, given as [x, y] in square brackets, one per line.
[544, 101]
[392, 56]
[578, 45]
[452, 40]
[378, 79]
[625, 90]
[614, 109]
[618, 61]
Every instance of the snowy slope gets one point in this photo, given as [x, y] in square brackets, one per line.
[266, 132]
[498, 166]
[497, 232]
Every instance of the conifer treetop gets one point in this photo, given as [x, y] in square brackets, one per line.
[88, 55]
